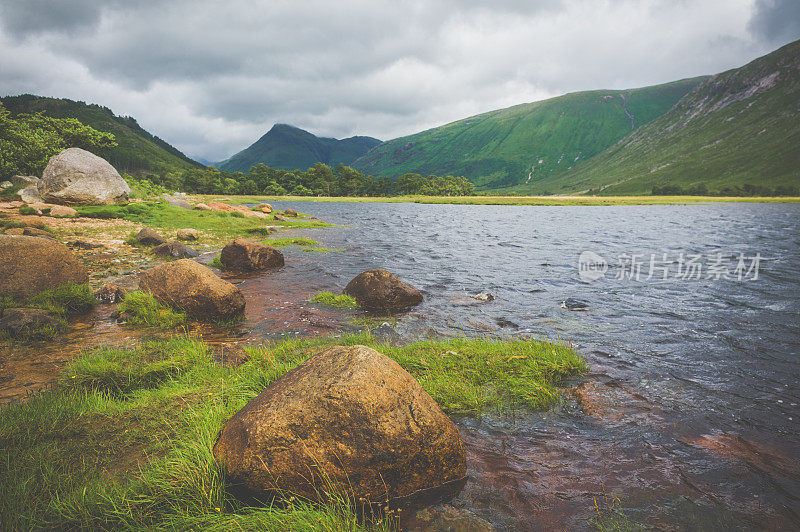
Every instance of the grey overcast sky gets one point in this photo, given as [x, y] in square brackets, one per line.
[211, 76]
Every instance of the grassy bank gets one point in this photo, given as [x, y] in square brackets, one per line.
[217, 227]
[125, 440]
[522, 200]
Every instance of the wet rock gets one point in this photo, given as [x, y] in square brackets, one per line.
[110, 294]
[30, 265]
[447, 519]
[483, 296]
[202, 207]
[290, 212]
[148, 237]
[188, 234]
[84, 244]
[30, 194]
[279, 218]
[173, 248]
[24, 180]
[187, 285]
[62, 211]
[247, 255]
[382, 290]
[574, 304]
[348, 417]
[757, 455]
[29, 322]
[611, 403]
[264, 207]
[79, 177]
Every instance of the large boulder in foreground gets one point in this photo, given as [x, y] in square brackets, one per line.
[247, 255]
[382, 290]
[29, 265]
[191, 287]
[79, 177]
[348, 416]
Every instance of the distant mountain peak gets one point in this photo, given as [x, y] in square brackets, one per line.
[289, 147]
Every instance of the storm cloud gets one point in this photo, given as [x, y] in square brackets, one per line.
[211, 77]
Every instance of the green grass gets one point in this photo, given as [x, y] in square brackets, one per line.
[125, 441]
[61, 302]
[329, 299]
[281, 242]
[165, 218]
[216, 262]
[141, 309]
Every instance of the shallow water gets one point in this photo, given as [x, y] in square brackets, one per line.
[690, 418]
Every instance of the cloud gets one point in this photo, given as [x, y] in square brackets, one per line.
[211, 77]
[776, 21]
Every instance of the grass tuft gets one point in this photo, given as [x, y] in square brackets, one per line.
[301, 241]
[329, 299]
[65, 300]
[142, 309]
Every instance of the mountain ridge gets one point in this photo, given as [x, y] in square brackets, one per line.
[288, 147]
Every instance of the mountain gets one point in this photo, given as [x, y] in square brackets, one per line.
[511, 146]
[736, 128]
[289, 148]
[137, 152]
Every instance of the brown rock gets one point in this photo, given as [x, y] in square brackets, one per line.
[224, 207]
[173, 248]
[264, 207]
[61, 211]
[148, 237]
[188, 234]
[279, 218]
[187, 285]
[30, 265]
[247, 255]
[382, 290]
[349, 417]
[290, 212]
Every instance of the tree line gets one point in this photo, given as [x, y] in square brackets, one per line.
[319, 180]
[747, 189]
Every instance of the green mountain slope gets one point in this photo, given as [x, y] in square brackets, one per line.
[510, 146]
[137, 152]
[289, 148]
[739, 127]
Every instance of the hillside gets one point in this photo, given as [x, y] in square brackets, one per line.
[509, 146]
[740, 127]
[137, 152]
[289, 148]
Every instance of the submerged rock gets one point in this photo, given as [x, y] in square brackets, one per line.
[30, 322]
[148, 237]
[348, 417]
[247, 255]
[30, 265]
[447, 519]
[574, 304]
[173, 248]
[483, 296]
[79, 177]
[382, 290]
[189, 286]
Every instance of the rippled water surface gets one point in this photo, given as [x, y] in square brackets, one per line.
[697, 380]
